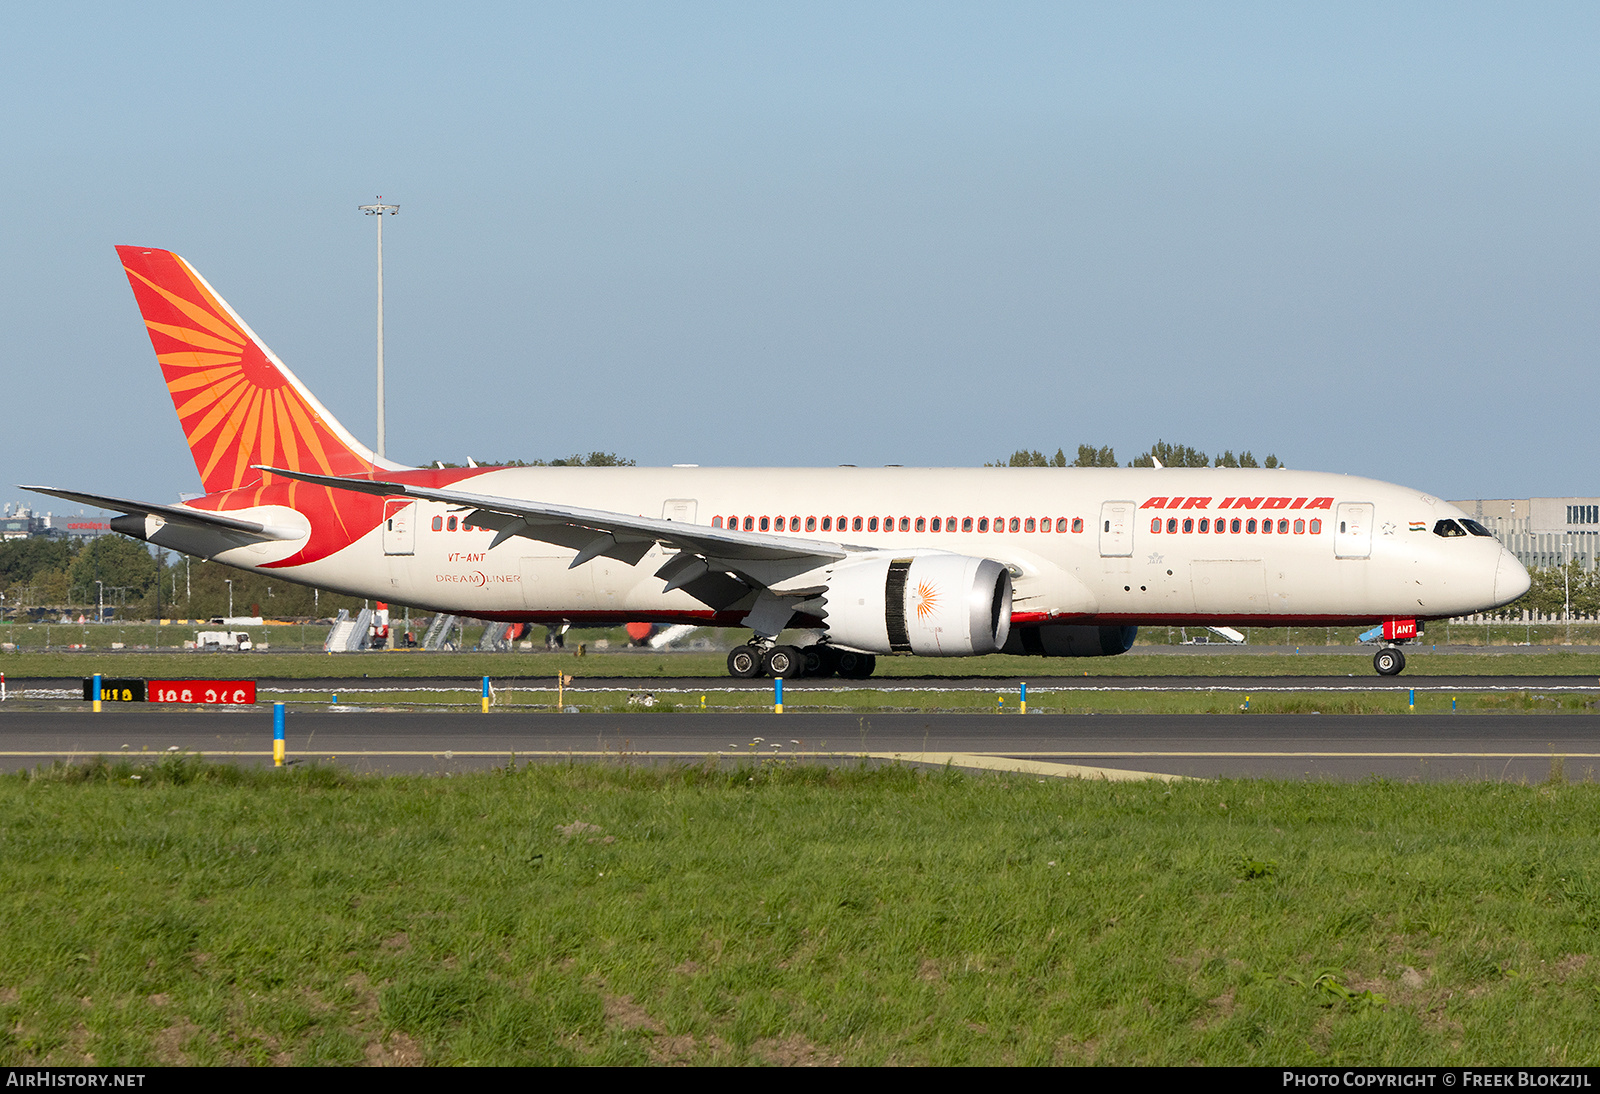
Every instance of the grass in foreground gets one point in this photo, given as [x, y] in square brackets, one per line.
[183, 912]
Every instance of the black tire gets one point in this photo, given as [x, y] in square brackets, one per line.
[785, 661]
[1389, 662]
[819, 660]
[744, 662]
[855, 666]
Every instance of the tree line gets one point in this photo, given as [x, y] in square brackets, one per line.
[1168, 455]
[593, 459]
[61, 575]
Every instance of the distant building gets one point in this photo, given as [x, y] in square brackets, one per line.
[21, 523]
[1542, 532]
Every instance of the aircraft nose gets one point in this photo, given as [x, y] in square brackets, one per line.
[1511, 578]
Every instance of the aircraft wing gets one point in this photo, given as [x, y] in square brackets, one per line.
[177, 514]
[759, 559]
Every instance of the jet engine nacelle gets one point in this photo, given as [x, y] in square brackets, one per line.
[926, 602]
[1066, 640]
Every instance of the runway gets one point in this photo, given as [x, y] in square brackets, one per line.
[287, 688]
[1332, 747]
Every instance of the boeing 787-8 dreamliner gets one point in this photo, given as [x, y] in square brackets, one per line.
[945, 562]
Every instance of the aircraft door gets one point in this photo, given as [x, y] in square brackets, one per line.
[679, 509]
[1352, 530]
[1116, 529]
[399, 527]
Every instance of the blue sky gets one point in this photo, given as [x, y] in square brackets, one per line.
[1362, 237]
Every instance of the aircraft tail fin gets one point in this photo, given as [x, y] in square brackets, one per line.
[239, 405]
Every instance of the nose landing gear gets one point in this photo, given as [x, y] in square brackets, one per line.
[1389, 661]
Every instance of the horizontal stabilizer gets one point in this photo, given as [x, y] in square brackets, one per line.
[177, 514]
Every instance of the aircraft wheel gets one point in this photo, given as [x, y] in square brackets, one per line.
[744, 662]
[1389, 661]
[784, 661]
[819, 660]
[856, 666]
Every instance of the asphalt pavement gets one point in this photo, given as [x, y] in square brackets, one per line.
[1517, 747]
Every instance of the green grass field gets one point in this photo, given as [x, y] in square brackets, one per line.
[180, 913]
[800, 700]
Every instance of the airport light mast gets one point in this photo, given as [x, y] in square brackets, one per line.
[378, 211]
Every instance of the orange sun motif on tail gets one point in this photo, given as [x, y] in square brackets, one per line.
[237, 403]
[927, 599]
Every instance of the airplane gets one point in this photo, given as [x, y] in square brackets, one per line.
[866, 562]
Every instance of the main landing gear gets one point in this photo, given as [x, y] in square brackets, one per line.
[1389, 661]
[792, 662]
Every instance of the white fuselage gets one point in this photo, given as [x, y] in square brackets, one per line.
[1101, 559]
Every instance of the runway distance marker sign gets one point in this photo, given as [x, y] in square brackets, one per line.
[202, 692]
[221, 692]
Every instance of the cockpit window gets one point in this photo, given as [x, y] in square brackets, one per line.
[1448, 528]
[1475, 528]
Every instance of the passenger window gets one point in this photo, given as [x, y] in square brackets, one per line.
[1077, 524]
[811, 523]
[855, 525]
[1155, 524]
[983, 524]
[794, 523]
[1234, 525]
[1061, 524]
[949, 524]
[1316, 527]
[1299, 527]
[1449, 529]
[922, 524]
[936, 525]
[750, 524]
[778, 524]
[1283, 526]
[716, 522]
[1266, 527]
[1249, 525]
[827, 524]
[966, 524]
[1205, 524]
[872, 524]
[1172, 524]
[766, 524]
[905, 524]
[450, 525]
[438, 524]
[1027, 524]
